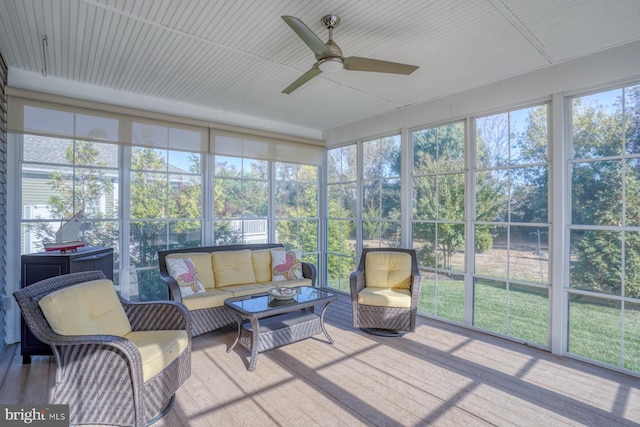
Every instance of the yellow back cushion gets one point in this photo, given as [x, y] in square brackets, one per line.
[262, 264]
[232, 267]
[388, 270]
[89, 308]
[202, 262]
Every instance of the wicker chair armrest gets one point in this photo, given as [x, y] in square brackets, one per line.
[309, 272]
[356, 282]
[157, 315]
[121, 343]
[172, 287]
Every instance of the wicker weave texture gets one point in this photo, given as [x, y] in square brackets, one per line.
[100, 376]
[210, 319]
[294, 327]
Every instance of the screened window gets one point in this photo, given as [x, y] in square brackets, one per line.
[61, 178]
[438, 214]
[165, 213]
[381, 193]
[511, 231]
[604, 278]
[297, 217]
[342, 208]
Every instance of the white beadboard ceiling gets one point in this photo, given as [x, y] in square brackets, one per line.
[230, 60]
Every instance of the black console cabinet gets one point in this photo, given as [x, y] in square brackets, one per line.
[40, 266]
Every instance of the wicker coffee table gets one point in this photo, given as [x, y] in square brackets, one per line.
[265, 323]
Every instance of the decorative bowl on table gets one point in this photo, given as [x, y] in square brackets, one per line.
[283, 293]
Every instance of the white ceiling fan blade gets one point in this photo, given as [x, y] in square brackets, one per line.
[355, 63]
[314, 71]
[309, 37]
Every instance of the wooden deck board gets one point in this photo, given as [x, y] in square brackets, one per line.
[442, 375]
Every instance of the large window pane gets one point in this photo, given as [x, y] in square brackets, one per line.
[438, 215]
[381, 193]
[296, 205]
[342, 210]
[61, 178]
[512, 190]
[605, 214]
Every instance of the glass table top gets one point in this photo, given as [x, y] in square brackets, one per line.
[264, 302]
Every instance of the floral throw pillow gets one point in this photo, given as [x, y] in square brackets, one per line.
[286, 265]
[184, 271]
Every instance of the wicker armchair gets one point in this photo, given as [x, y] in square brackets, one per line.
[100, 377]
[389, 307]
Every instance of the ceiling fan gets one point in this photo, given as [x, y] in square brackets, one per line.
[329, 55]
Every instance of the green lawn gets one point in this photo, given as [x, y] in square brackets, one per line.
[522, 312]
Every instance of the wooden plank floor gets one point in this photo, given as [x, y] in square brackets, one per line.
[442, 375]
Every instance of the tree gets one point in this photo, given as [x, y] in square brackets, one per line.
[439, 193]
[599, 188]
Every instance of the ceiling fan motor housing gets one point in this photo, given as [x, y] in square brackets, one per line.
[330, 21]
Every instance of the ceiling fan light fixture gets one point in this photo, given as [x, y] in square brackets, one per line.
[330, 64]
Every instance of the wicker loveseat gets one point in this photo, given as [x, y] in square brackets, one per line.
[225, 272]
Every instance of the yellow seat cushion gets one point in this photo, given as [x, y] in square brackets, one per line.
[385, 297]
[247, 289]
[208, 299]
[158, 349]
[90, 308]
[232, 268]
[261, 260]
[388, 270]
[204, 268]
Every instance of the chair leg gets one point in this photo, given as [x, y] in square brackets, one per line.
[164, 412]
[384, 332]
